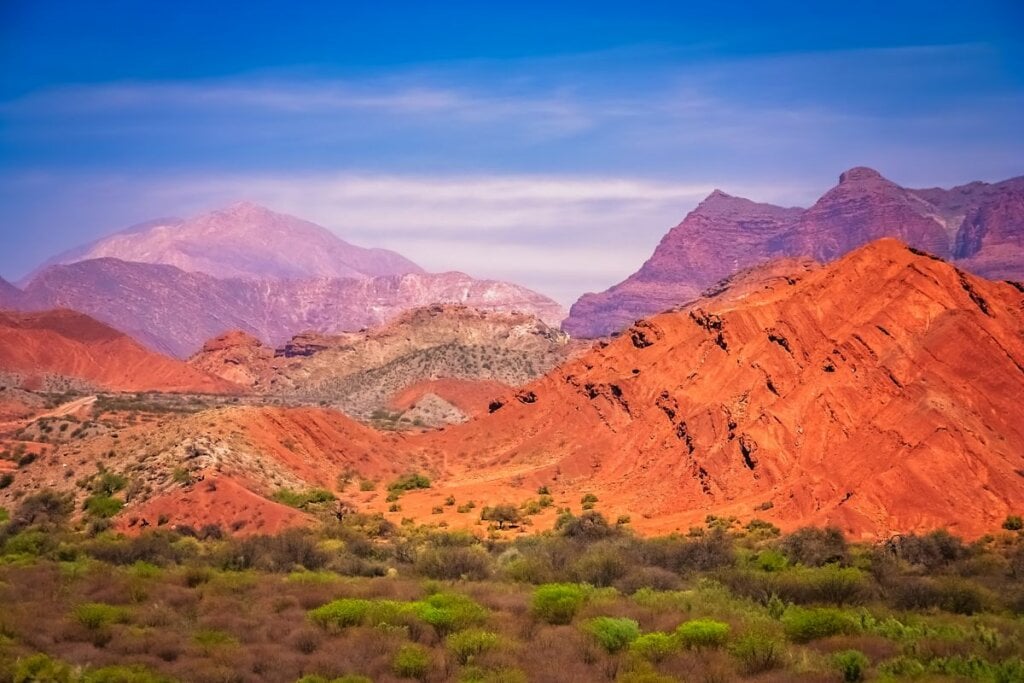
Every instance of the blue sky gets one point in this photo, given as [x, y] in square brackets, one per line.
[552, 146]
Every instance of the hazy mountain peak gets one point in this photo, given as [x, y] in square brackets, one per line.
[244, 240]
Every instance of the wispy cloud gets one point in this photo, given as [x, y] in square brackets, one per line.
[560, 173]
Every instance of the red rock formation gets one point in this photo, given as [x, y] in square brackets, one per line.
[244, 240]
[63, 344]
[980, 225]
[176, 312]
[881, 393]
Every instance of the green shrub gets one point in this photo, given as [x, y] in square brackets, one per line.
[1014, 523]
[703, 633]
[758, 652]
[341, 613]
[411, 661]
[448, 612]
[95, 615]
[558, 603]
[123, 674]
[209, 639]
[902, 667]
[654, 646]
[465, 645]
[771, 561]
[611, 633]
[409, 482]
[41, 668]
[803, 625]
[103, 506]
[302, 499]
[852, 665]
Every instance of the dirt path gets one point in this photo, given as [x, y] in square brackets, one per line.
[68, 408]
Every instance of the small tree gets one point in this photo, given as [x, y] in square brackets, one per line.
[502, 514]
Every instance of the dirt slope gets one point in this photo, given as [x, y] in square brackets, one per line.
[63, 346]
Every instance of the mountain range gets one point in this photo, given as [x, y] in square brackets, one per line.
[880, 393]
[174, 285]
[979, 225]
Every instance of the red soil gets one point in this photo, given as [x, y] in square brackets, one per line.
[470, 396]
[215, 500]
[68, 344]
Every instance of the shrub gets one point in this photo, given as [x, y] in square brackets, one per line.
[758, 652]
[302, 499]
[802, 625]
[558, 603]
[1014, 523]
[611, 633]
[814, 547]
[6, 479]
[852, 665]
[341, 613]
[40, 667]
[448, 612]
[771, 561]
[411, 661]
[409, 482]
[103, 506]
[450, 563]
[209, 639]
[123, 674]
[935, 550]
[95, 615]
[654, 646]
[468, 644]
[703, 633]
[589, 526]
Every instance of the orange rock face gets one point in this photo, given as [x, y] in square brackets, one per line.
[882, 393]
[65, 344]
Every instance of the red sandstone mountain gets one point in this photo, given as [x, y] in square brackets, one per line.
[53, 349]
[175, 312]
[244, 240]
[881, 392]
[979, 225]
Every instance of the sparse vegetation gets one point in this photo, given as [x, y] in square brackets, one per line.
[360, 598]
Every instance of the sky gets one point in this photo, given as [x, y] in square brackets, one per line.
[550, 144]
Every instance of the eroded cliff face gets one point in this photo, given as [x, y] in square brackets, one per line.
[177, 312]
[880, 393]
[980, 225]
